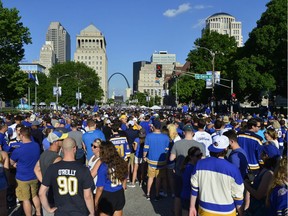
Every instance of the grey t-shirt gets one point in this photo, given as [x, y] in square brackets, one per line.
[77, 136]
[180, 149]
[46, 159]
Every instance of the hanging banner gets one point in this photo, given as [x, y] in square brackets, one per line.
[209, 81]
[217, 76]
[57, 91]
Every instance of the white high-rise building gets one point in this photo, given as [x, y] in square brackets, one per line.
[91, 50]
[224, 23]
[61, 41]
[47, 56]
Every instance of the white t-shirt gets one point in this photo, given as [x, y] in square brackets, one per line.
[205, 138]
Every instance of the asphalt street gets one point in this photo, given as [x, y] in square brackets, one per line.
[137, 205]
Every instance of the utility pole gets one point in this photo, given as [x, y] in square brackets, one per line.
[57, 91]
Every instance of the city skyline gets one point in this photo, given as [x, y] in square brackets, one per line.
[133, 31]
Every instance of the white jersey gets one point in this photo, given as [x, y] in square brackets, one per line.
[205, 138]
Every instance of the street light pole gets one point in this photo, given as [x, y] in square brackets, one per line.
[213, 71]
[57, 91]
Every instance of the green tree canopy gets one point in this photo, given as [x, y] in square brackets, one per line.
[13, 35]
[72, 75]
[266, 50]
[200, 58]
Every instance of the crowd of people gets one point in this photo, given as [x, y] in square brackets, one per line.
[81, 163]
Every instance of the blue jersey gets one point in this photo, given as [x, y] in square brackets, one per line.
[238, 157]
[26, 157]
[251, 143]
[121, 145]
[278, 201]
[139, 149]
[107, 182]
[89, 137]
[157, 146]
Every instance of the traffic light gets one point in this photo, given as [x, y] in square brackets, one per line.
[159, 70]
[233, 98]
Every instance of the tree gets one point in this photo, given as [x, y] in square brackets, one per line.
[13, 35]
[74, 75]
[188, 88]
[251, 82]
[266, 49]
[224, 48]
[141, 97]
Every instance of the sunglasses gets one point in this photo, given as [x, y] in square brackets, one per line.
[95, 147]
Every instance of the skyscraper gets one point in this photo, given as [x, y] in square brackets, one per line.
[91, 50]
[61, 41]
[224, 23]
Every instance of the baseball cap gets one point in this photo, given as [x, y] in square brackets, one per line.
[56, 135]
[220, 142]
[270, 118]
[271, 150]
[188, 127]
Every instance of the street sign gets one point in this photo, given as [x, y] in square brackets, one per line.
[203, 76]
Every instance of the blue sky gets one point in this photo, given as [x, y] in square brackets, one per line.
[133, 29]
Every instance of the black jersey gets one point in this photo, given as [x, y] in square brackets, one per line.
[68, 180]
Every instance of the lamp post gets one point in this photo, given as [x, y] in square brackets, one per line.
[57, 87]
[213, 70]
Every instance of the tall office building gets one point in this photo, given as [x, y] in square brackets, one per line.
[224, 23]
[91, 50]
[47, 56]
[136, 68]
[61, 41]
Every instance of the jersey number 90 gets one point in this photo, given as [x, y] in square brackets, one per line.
[67, 185]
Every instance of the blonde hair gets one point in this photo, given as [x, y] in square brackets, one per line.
[172, 131]
[279, 178]
[272, 133]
